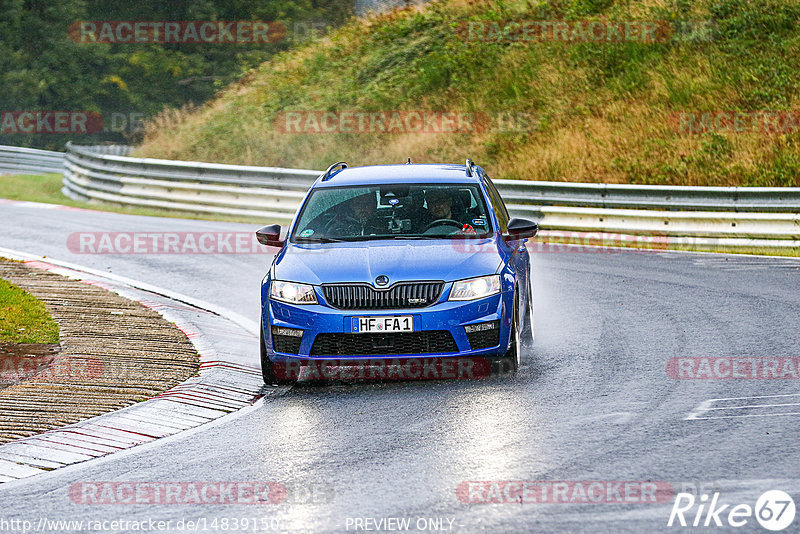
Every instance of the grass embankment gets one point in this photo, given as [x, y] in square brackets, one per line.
[601, 111]
[23, 318]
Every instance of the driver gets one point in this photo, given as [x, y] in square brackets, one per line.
[359, 217]
[440, 206]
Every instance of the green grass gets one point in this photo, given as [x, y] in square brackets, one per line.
[46, 188]
[785, 252]
[23, 318]
[793, 252]
[600, 112]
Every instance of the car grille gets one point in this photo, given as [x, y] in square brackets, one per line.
[365, 297]
[424, 342]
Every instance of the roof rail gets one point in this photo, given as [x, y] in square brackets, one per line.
[470, 165]
[328, 174]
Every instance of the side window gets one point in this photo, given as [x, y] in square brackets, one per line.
[502, 204]
[497, 204]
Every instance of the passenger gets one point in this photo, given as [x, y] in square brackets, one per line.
[358, 218]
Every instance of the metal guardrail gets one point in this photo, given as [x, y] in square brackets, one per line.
[658, 197]
[184, 185]
[20, 160]
[741, 216]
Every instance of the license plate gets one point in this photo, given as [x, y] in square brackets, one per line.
[386, 323]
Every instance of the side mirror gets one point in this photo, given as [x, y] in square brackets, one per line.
[270, 235]
[520, 229]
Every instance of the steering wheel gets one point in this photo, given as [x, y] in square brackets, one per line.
[443, 222]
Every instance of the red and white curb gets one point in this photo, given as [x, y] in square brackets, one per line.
[229, 379]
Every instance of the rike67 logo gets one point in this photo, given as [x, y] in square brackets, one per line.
[774, 510]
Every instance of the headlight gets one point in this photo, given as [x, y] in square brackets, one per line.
[475, 288]
[292, 293]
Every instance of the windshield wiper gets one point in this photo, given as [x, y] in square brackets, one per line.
[419, 237]
[318, 240]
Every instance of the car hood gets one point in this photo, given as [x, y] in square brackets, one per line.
[399, 260]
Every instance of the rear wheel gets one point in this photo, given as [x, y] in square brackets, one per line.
[268, 368]
[509, 363]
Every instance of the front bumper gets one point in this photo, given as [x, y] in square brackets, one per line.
[442, 317]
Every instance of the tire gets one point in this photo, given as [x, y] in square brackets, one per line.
[509, 363]
[267, 368]
[527, 330]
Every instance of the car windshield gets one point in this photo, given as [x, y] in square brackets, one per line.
[403, 211]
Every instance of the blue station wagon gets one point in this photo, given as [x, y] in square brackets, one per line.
[397, 261]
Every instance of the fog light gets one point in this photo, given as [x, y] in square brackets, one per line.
[291, 332]
[481, 327]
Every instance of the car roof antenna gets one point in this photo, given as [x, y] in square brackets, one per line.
[408, 162]
[469, 167]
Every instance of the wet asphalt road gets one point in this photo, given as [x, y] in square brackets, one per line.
[592, 402]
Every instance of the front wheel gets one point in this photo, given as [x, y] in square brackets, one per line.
[268, 368]
[509, 363]
[527, 330]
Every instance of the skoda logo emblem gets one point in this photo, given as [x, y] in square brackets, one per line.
[382, 280]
